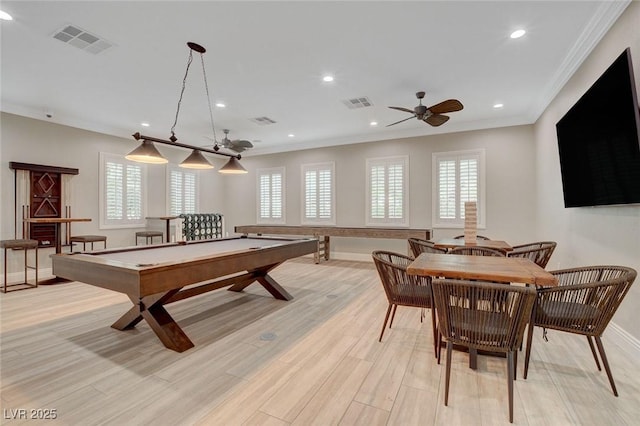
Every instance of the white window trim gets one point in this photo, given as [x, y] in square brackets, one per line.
[459, 223]
[304, 220]
[400, 223]
[270, 171]
[101, 196]
[175, 167]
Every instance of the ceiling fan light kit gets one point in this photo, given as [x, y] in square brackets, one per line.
[433, 115]
[147, 152]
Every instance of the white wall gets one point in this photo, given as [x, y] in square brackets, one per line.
[598, 235]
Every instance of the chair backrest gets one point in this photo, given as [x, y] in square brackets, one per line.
[585, 299]
[419, 245]
[400, 287]
[538, 252]
[479, 237]
[482, 315]
[478, 251]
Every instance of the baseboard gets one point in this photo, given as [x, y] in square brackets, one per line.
[14, 277]
[626, 341]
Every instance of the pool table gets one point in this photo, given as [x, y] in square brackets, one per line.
[154, 276]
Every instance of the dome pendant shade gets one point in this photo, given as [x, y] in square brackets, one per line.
[146, 153]
[196, 161]
[233, 166]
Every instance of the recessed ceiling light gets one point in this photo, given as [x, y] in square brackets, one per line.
[144, 124]
[498, 105]
[220, 105]
[517, 33]
[5, 16]
[291, 135]
[373, 123]
[327, 78]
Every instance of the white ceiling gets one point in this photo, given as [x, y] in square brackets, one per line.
[268, 58]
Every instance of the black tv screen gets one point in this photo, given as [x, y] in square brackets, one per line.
[599, 141]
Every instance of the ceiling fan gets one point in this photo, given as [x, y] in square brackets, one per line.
[237, 145]
[432, 115]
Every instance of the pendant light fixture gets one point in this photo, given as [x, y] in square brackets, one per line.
[147, 152]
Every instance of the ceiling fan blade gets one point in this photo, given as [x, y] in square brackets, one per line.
[388, 125]
[241, 142]
[450, 105]
[436, 119]
[410, 111]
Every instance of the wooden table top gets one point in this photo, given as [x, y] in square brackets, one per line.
[449, 243]
[488, 268]
[56, 219]
[162, 217]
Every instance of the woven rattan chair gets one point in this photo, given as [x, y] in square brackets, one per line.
[539, 252]
[479, 237]
[403, 289]
[483, 316]
[478, 251]
[583, 303]
[419, 245]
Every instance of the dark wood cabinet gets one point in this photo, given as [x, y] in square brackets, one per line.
[43, 201]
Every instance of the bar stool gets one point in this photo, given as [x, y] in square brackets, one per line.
[84, 239]
[148, 235]
[20, 245]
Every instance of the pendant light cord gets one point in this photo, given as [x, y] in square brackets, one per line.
[184, 83]
[206, 87]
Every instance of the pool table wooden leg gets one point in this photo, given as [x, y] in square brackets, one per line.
[262, 276]
[167, 330]
[274, 288]
[151, 309]
[133, 316]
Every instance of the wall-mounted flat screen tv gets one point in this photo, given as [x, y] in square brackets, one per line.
[599, 141]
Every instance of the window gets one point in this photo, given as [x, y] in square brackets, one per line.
[123, 196]
[458, 177]
[183, 191]
[318, 199]
[387, 183]
[271, 195]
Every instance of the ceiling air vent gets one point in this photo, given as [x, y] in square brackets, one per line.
[263, 121]
[361, 102]
[82, 39]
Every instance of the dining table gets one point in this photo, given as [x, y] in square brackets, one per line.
[485, 268]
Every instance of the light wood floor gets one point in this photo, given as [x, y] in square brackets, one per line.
[314, 360]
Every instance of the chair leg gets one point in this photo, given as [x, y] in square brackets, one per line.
[386, 318]
[448, 373]
[527, 356]
[439, 346]
[393, 315]
[510, 379]
[515, 365]
[434, 328]
[593, 352]
[606, 365]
